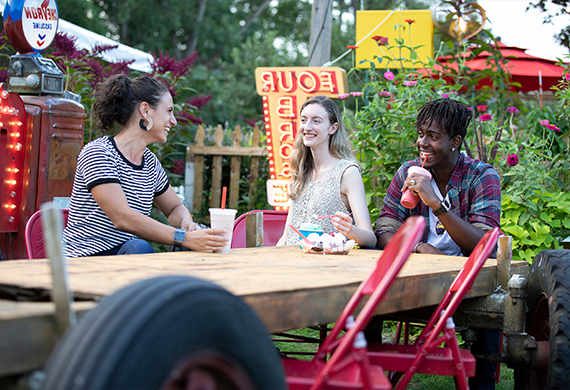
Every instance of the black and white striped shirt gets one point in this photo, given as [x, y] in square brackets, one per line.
[89, 230]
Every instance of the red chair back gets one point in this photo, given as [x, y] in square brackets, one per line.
[461, 285]
[273, 227]
[387, 267]
[34, 235]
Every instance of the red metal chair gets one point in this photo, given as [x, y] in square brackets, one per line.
[348, 366]
[425, 355]
[273, 226]
[34, 235]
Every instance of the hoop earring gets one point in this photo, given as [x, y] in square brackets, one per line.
[149, 126]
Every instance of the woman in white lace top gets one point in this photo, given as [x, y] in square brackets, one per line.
[325, 177]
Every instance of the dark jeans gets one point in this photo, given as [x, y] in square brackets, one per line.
[131, 247]
[488, 341]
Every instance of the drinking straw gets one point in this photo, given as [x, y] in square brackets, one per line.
[424, 163]
[224, 191]
[302, 235]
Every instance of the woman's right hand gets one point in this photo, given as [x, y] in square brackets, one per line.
[206, 239]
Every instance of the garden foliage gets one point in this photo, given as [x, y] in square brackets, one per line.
[527, 144]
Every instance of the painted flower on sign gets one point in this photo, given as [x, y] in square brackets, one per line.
[512, 160]
[410, 21]
[352, 47]
[380, 40]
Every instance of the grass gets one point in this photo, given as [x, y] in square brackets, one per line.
[419, 381]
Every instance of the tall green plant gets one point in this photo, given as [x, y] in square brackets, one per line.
[527, 144]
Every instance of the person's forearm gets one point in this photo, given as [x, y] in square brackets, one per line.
[464, 234]
[383, 239]
[144, 227]
[180, 217]
[363, 237]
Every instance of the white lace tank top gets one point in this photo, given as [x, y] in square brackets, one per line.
[320, 198]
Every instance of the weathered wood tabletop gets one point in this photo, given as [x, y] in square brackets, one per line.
[286, 287]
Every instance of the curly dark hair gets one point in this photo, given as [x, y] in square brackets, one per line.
[452, 116]
[118, 98]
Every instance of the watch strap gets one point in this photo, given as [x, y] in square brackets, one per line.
[443, 208]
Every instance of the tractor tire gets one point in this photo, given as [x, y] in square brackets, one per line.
[171, 332]
[548, 319]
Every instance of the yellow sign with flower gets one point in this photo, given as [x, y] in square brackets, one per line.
[400, 39]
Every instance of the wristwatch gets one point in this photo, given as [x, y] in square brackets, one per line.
[444, 208]
[179, 236]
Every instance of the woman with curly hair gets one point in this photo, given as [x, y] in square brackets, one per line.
[118, 178]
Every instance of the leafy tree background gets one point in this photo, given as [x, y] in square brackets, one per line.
[232, 38]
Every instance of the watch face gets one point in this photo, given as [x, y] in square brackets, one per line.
[179, 235]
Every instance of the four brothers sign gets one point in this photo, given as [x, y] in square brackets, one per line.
[284, 90]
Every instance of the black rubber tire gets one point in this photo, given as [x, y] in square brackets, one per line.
[548, 318]
[136, 337]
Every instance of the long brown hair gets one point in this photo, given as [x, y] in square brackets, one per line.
[302, 163]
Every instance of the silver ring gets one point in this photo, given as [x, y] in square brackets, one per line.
[413, 182]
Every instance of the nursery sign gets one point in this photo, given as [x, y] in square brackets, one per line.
[284, 90]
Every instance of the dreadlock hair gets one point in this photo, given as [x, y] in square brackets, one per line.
[452, 116]
[302, 163]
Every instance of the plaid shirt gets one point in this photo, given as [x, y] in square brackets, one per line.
[474, 194]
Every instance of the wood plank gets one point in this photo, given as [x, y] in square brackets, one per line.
[28, 334]
[254, 230]
[227, 150]
[254, 169]
[283, 276]
[235, 170]
[198, 169]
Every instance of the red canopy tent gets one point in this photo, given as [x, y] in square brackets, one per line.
[524, 68]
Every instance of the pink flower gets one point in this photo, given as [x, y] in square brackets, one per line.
[446, 96]
[470, 108]
[343, 96]
[544, 122]
[389, 75]
[410, 21]
[384, 94]
[567, 77]
[482, 109]
[410, 83]
[380, 40]
[552, 127]
[485, 117]
[513, 110]
[512, 160]
[357, 93]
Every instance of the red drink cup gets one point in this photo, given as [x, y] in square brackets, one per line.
[409, 200]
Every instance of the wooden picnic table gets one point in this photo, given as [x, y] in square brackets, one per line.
[287, 288]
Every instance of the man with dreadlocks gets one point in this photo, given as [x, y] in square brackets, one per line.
[460, 202]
